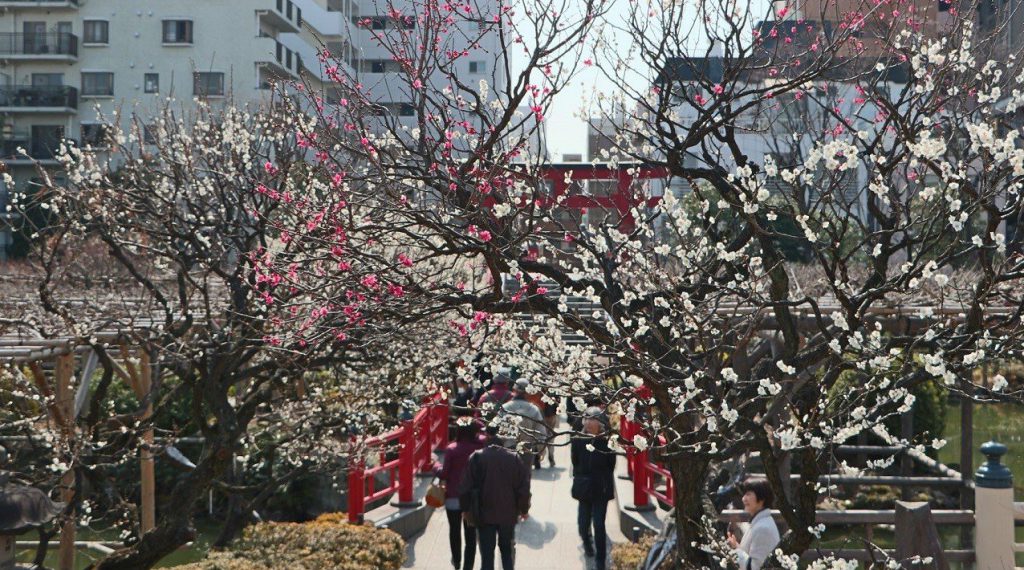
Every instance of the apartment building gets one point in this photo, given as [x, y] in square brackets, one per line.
[66, 66]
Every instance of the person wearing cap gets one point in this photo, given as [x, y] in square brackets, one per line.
[593, 483]
[495, 398]
[762, 536]
[533, 432]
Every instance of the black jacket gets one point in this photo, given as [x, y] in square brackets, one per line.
[598, 465]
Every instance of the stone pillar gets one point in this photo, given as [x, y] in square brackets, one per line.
[993, 511]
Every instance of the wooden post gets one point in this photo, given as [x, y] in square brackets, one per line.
[906, 463]
[147, 467]
[994, 511]
[966, 465]
[916, 535]
[64, 401]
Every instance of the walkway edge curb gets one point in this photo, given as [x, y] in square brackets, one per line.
[406, 521]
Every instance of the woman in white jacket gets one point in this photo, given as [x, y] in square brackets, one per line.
[761, 538]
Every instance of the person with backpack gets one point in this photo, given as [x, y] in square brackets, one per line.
[533, 432]
[492, 400]
[593, 483]
[495, 495]
[550, 412]
[453, 470]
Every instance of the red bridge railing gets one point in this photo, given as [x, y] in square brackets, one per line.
[645, 473]
[401, 453]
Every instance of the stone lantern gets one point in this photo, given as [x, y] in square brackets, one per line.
[22, 509]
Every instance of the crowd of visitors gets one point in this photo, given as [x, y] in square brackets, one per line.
[487, 475]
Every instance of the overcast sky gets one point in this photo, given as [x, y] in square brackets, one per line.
[567, 133]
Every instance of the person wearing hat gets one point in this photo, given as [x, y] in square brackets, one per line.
[533, 432]
[496, 397]
[593, 483]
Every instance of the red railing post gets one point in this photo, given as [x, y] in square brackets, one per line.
[407, 465]
[641, 479]
[356, 491]
[424, 443]
[626, 433]
[442, 427]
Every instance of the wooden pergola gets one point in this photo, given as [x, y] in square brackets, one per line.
[50, 364]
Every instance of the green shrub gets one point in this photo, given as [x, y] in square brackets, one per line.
[327, 542]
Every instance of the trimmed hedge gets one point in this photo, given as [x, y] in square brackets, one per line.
[629, 555]
[327, 542]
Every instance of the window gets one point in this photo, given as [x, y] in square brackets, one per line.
[151, 83]
[96, 32]
[385, 22]
[208, 84]
[399, 109]
[97, 84]
[148, 134]
[477, 66]
[378, 66]
[46, 140]
[177, 31]
[95, 135]
[47, 79]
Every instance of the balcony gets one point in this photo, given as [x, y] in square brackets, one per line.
[53, 46]
[33, 99]
[43, 150]
[39, 4]
[284, 65]
[283, 16]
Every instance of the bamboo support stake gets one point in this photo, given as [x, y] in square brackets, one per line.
[147, 466]
[52, 403]
[64, 401]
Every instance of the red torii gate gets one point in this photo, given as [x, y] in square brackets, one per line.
[625, 197]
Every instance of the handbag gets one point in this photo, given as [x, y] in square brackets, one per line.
[435, 496]
[471, 501]
[582, 487]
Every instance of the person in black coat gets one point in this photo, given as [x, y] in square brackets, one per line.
[593, 483]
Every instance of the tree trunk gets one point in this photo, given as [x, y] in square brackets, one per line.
[237, 520]
[175, 526]
[689, 475]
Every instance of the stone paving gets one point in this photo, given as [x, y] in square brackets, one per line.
[548, 540]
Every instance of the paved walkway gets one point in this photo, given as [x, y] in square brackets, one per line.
[548, 540]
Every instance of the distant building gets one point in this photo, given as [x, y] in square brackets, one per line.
[67, 65]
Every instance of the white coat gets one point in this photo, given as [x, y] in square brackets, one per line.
[759, 541]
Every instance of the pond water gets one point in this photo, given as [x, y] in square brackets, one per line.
[1000, 422]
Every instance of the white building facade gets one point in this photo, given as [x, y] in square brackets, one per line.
[67, 66]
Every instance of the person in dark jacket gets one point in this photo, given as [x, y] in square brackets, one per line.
[504, 483]
[593, 483]
[456, 458]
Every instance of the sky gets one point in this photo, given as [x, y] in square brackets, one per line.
[567, 133]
